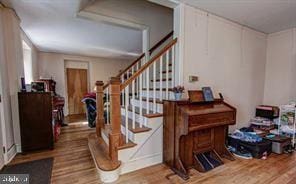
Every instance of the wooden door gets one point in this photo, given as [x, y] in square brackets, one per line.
[77, 88]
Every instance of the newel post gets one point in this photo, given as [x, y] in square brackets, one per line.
[115, 118]
[100, 107]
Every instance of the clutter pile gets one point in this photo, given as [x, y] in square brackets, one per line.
[286, 122]
[90, 101]
[271, 130]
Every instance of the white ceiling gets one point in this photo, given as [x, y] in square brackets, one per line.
[267, 16]
[52, 26]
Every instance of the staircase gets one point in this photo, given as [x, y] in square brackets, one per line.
[129, 114]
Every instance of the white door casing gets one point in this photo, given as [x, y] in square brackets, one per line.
[2, 122]
[1, 142]
[2, 132]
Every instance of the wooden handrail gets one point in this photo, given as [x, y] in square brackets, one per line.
[146, 65]
[131, 65]
[150, 52]
[161, 42]
[106, 85]
[141, 56]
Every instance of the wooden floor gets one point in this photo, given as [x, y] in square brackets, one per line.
[73, 165]
[75, 118]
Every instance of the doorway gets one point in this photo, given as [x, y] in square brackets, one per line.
[77, 87]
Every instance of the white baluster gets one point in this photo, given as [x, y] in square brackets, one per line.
[160, 83]
[167, 76]
[126, 112]
[107, 105]
[173, 66]
[140, 98]
[147, 93]
[122, 92]
[144, 74]
[154, 87]
[137, 80]
[133, 106]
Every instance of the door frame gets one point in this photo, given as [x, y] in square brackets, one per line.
[3, 155]
[75, 65]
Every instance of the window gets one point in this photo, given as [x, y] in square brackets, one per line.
[28, 68]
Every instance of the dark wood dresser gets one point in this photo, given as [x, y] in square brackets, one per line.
[195, 128]
[35, 110]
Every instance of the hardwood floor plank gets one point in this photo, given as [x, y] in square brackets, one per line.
[73, 164]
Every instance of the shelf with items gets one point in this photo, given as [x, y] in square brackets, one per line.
[286, 123]
[262, 126]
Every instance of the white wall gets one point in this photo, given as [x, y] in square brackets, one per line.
[53, 65]
[34, 54]
[6, 118]
[226, 56]
[158, 19]
[280, 86]
[11, 71]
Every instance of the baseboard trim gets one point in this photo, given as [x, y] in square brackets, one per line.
[18, 148]
[10, 154]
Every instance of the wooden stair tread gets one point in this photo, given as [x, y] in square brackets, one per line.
[99, 150]
[144, 99]
[123, 145]
[158, 80]
[137, 128]
[154, 115]
[157, 89]
[149, 114]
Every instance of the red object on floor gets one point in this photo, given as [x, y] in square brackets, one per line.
[56, 125]
[90, 95]
[57, 131]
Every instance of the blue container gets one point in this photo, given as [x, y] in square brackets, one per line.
[178, 96]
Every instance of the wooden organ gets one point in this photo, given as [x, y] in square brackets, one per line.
[195, 132]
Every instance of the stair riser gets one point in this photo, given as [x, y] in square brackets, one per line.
[138, 118]
[135, 137]
[144, 105]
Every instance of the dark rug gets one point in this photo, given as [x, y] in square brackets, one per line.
[39, 170]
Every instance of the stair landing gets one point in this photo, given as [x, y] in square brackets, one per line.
[99, 151]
